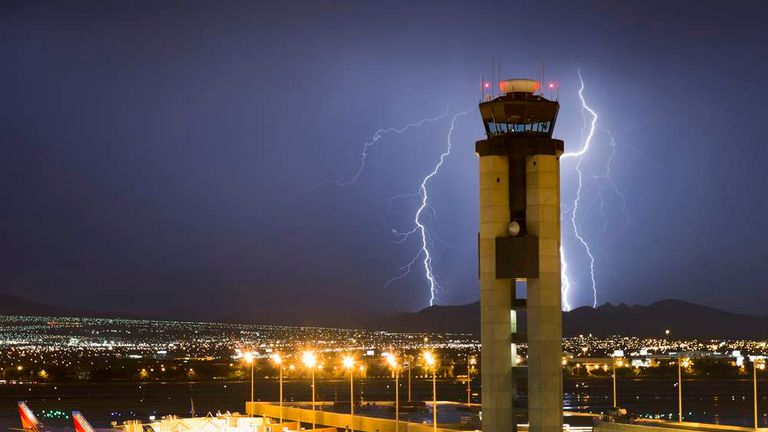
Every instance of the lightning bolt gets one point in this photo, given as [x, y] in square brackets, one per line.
[605, 181]
[377, 136]
[565, 286]
[611, 184]
[423, 214]
[579, 155]
[420, 228]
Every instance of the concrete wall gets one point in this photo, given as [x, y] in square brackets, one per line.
[545, 376]
[337, 420]
[498, 386]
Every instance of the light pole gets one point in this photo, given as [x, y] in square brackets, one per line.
[279, 362]
[392, 361]
[410, 361]
[614, 362]
[471, 361]
[756, 364]
[681, 363]
[310, 361]
[349, 364]
[250, 360]
[431, 363]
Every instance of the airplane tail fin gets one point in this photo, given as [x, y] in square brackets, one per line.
[28, 420]
[81, 424]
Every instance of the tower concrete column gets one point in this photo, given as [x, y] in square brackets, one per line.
[545, 376]
[496, 323]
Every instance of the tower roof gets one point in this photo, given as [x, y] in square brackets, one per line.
[518, 85]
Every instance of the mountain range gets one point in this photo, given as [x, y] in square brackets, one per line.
[683, 319]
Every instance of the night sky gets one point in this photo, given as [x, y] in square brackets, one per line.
[157, 157]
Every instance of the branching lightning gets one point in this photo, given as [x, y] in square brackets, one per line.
[377, 136]
[605, 178]
[426, 237]
[565, 286]
[424, 213]
[580, 182]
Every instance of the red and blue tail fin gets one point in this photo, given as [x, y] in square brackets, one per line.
[28, 420]
[81, 424]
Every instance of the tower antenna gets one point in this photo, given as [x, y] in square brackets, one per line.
[493, 79]
[482, 88]
[498, 72]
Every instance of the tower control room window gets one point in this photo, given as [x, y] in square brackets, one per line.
[497, 128]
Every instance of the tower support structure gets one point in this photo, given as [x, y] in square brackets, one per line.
[519, 244]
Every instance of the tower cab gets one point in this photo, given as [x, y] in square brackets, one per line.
[519, 111]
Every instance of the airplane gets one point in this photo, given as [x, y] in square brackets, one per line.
[29, 422]
[81, 424]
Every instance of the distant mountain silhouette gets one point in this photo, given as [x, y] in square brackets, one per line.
[14, 305]
[442, 319]
[683, 319]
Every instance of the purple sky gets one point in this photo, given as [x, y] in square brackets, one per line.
[156, 155]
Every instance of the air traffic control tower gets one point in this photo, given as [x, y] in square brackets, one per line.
[519, 241]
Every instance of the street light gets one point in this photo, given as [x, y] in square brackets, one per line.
[250, 360]
[349, 364]
[310, 361]
[279, 362]
[392, 362]
[431, 363]
[757, 363]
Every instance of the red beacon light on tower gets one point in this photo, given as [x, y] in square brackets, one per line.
[554, 90]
